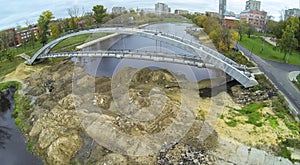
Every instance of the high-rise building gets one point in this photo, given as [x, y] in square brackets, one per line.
[161, 8]
[252, 5]
[222, 8]
[291, 12]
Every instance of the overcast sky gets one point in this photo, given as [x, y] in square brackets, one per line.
[17, 12]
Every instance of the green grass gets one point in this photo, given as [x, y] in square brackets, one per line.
[7, 66]
[70, 44]
[273, 122]
[6, 85]
[232, 123]
[251, 111]
[254, 44]
[28, 49]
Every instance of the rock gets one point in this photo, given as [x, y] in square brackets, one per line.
[103, 101]
[63, 149]
[70, 102]
[112, 159]
[179, 153]
[56, 132]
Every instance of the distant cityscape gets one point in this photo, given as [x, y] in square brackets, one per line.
[251, 14]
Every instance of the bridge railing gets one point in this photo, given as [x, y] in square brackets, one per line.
[142, 55]
[121, 52]
[195, 44]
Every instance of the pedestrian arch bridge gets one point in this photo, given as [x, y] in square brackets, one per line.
[205, 57]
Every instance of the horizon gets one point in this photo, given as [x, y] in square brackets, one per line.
[21, 12]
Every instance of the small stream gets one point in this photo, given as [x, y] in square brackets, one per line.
[12, 142]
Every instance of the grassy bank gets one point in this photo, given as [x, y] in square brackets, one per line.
[22, 109]
[4, 86]
[254, 44]
[70, 44]
[7, 66]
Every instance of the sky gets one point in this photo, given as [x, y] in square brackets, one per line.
[18, 12]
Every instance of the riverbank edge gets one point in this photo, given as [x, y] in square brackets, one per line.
[19, 101]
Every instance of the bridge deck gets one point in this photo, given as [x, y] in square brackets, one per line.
[142, 55]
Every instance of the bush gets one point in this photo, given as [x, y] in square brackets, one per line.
[285, 153]
[18, 122]
[239, 58]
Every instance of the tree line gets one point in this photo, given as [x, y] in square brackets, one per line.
[286, 33]
[74, 22]
[223, 38]
[50, 28]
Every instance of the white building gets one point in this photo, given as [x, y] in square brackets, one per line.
[291, 12]
[118, 10]
[161, 8]
[252, 5]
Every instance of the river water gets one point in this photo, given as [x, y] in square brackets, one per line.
[108, 66]
[12, 142]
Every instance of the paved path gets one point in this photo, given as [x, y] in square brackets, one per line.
[278, 73]
[268, 39]
[233, 154]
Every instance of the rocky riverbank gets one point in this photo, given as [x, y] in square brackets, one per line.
[69, 122]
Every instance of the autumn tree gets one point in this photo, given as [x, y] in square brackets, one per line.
[55, 29]
[74, 14]
[43, 24]
[199, 20]
[88, 19]
[99, 13]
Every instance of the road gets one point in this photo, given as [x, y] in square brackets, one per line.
[278, 74]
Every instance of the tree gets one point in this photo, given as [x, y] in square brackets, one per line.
[88, 19]
[250, 30]
[211, 24]
[213, 35]
[288, 42]
[199, 20]
[74, 14]
[32, 38]
[242, 28]
[235, 36]
[55, 29]
[43, 24]
[99, 13]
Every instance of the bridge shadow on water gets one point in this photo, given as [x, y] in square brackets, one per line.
[214, 91]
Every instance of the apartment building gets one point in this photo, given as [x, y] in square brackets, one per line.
[255, 17]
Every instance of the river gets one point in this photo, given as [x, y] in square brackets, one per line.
[108, 66]
[12, 142]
